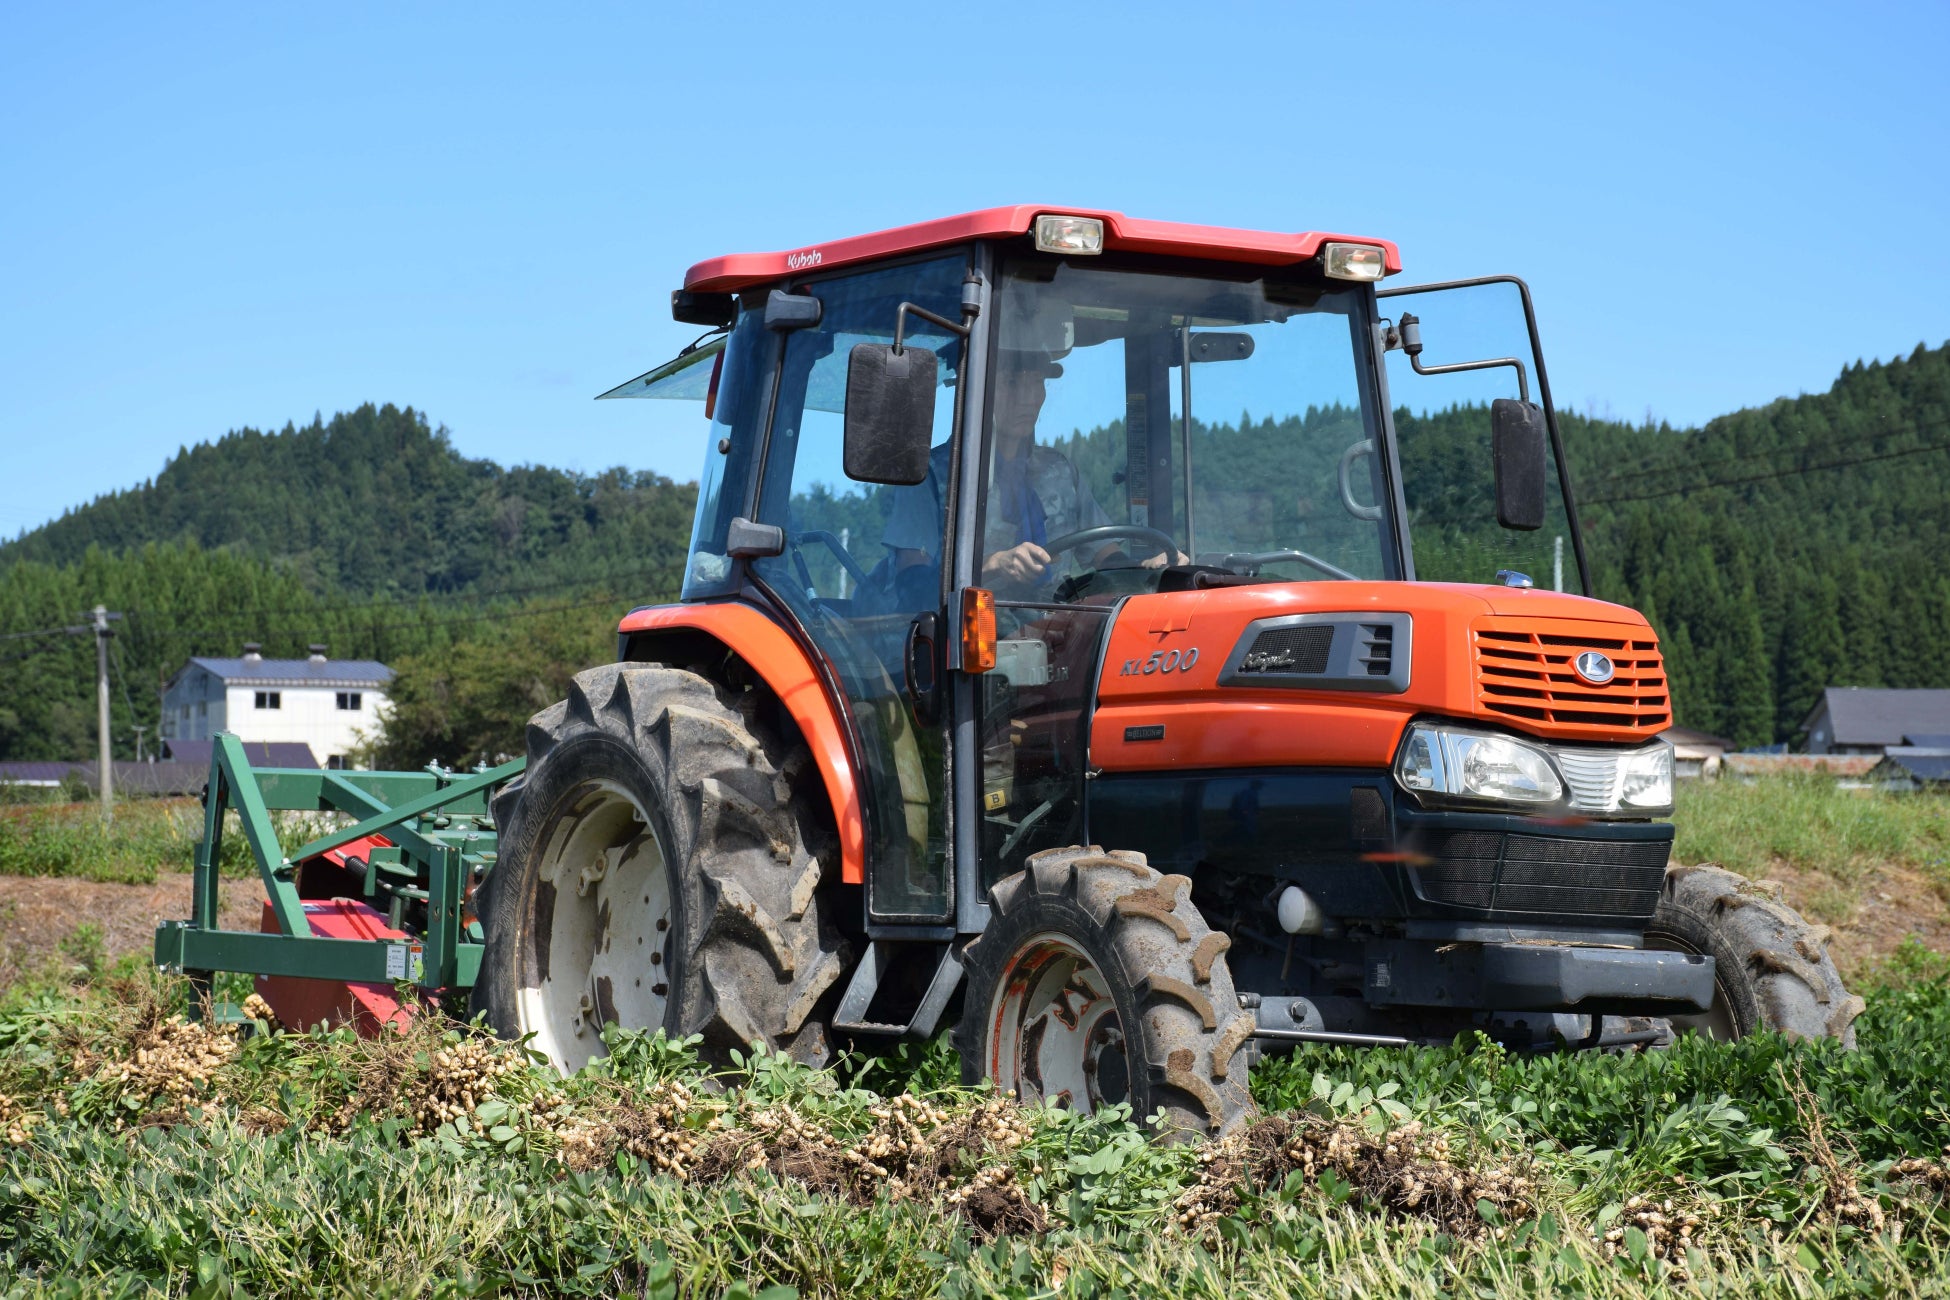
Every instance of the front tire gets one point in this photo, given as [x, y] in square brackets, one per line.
[1098, 982]
[660, 867]
[1771, 965]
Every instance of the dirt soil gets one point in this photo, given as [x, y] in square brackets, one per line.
[37, 914]
[1876, 913]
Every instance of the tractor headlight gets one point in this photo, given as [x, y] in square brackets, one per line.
[1648, 778]
[1353, 261]
[1478, 765]
[1057, 233]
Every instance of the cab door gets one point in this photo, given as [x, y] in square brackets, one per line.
[860, 570]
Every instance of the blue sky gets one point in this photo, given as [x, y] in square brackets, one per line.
[218, 217]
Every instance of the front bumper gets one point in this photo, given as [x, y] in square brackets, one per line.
[1538, 977]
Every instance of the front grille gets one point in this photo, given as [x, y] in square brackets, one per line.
[1290, 650]
[1505, 876]
[1524, 676]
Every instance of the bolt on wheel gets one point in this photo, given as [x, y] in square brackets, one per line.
[601, 952]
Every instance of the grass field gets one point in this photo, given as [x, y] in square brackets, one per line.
[1815, 825]
[141, 1154]
[70, 840]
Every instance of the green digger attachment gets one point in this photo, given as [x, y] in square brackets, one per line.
[417, 842]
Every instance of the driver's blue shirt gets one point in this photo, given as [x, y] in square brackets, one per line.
[1039, 497]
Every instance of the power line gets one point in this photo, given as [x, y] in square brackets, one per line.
[1612, 480]
[327, 609]
[1763, 478]
[205, 634]
[22, 636]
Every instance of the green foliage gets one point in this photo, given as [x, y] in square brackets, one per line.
[1814, 825]
[145, 835]
[469, 701]
[208, 1200]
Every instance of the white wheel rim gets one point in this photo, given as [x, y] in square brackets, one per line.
[608, 931]
[1054, 1033]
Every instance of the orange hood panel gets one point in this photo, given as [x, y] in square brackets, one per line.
[1497, 655]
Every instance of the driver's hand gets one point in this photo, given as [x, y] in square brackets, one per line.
[1163, 560]
[1023, 563]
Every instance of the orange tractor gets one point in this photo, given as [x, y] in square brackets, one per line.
[1035, 530]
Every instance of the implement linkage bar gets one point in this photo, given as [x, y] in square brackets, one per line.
[437, 823]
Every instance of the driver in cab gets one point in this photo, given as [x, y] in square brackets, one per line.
[1035, 494]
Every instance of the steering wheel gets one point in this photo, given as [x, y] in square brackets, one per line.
[1256, 559]
[832, 543]
[1106, 532]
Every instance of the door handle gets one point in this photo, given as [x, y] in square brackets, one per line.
[921, 664]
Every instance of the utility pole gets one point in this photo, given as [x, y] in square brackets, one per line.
[99, 619]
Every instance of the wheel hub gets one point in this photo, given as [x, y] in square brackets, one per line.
[1055, 1032]
[598, 946]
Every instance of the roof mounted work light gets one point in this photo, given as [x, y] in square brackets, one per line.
[1353, 261]
[1060, 234]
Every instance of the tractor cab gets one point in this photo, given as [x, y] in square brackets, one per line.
[1037, 415]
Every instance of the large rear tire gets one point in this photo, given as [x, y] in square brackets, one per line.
[660, 866]
[1771, 965]
[1098, 982]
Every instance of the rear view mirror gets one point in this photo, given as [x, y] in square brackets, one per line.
[889, 413]
[1519, 451]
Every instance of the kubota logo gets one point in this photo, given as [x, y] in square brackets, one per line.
[800, 261]
[1594, 667]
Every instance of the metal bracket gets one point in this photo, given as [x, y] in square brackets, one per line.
[851, 1015]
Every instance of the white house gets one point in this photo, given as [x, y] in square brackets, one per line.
[320, 702]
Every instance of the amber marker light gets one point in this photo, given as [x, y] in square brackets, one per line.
[977, 630]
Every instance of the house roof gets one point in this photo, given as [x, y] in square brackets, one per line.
[1689, 737]
[161, 778]
[261, 753]
[1930, 765]
[1837, 765]
[1868, 715]
[1928, 741]
[22, 773]
[295, 672]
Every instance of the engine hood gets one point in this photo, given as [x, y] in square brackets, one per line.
[1181, 686]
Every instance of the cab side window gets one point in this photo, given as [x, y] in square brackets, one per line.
[850, 569]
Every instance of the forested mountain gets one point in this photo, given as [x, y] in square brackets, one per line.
[1786, 548]
[375, 501]
[367, 532]
[1778, 550]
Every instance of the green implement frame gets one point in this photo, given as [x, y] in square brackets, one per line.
[442, 838]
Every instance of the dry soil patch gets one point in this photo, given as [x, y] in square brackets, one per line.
[38, 913]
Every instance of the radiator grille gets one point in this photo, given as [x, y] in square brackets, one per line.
[1524, 675]
[1507, 876]
[1290, 650]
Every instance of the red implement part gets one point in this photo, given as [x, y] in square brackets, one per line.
[305, 1003]
[359, 850]
[1121, 234]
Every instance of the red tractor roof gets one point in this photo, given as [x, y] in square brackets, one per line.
[1121, 233]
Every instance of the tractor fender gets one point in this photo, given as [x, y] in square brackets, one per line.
[782, 665]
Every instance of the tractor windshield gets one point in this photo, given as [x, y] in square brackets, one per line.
[1094, 465]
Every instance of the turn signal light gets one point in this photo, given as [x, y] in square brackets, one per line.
[977, 630]
[1353, 261]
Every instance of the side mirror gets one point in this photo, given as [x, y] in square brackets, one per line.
[889, 413]
[1519, 454]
